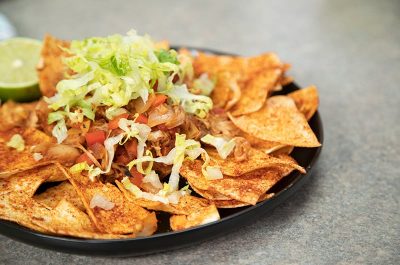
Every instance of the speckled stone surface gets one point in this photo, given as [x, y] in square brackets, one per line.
[348, 213]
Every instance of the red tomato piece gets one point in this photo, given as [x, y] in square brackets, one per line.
[113, 124]
[93, 137]
[141, 119]
[160, 99]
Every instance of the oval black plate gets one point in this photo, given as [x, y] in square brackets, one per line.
[164, 240]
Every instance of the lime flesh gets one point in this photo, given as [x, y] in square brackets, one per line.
[18, 77]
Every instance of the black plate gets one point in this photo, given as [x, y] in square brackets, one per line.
[165, 240]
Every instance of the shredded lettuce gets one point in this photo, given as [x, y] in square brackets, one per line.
[110, 72]
[204, 85]
[223, 146]
[184, 149]
[60, 131]
[198, 105]
[135, 190]
[17, 142]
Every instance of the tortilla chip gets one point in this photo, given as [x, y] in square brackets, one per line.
[236, 204]
[255, 92]
[254, 76]
[256, 160]
[224, 88]
[16, 115]
[14, 161]
[17, 205]
[206, 213]
[210, 195]
[124, 218]
[186, 205]
[28, 181]
[245, 188]
[278, 121]
[64, 191]
[243, 66]
[306, 100]
[51, 68]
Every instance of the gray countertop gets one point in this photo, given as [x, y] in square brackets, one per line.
[348, 213]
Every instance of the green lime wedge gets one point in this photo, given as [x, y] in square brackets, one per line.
[18, 77]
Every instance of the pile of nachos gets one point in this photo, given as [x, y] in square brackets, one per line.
[127, 128]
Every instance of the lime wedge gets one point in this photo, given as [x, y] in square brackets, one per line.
[18, 77]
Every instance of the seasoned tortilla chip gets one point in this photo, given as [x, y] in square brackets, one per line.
[255, 92]
[245, 188]
[244, 66]
[14, 114]
[306, 100]
[187, 204]
[28, 181]
[256, 160]
[65, 219]
[17, 205]
[205, 213]
[51, 68]
[254, 76]
[224, 89]
[210, 195]
[124, 218]
[278, 121]
[236, 204]
[14, 161]
[64, 191]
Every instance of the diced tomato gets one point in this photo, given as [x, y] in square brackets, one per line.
[137, 178]
[131, 148]
[113, 124]
[141, 119]
[160, 99]
[84, 158]
[93, 137]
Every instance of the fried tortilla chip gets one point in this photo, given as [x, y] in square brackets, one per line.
[306, 100]
[278, 121]
[243, 83]
[245, 188]
[17, 115]
[255, 92]
[204, 213]
[28, 181]
[226, 91]
[17, 205]
[64, 191]
[256, 160]
[210, 195]
[186, 205]
[236, 204]
[51, 68]
[124, 218]
[14, 161]
[244, 66]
